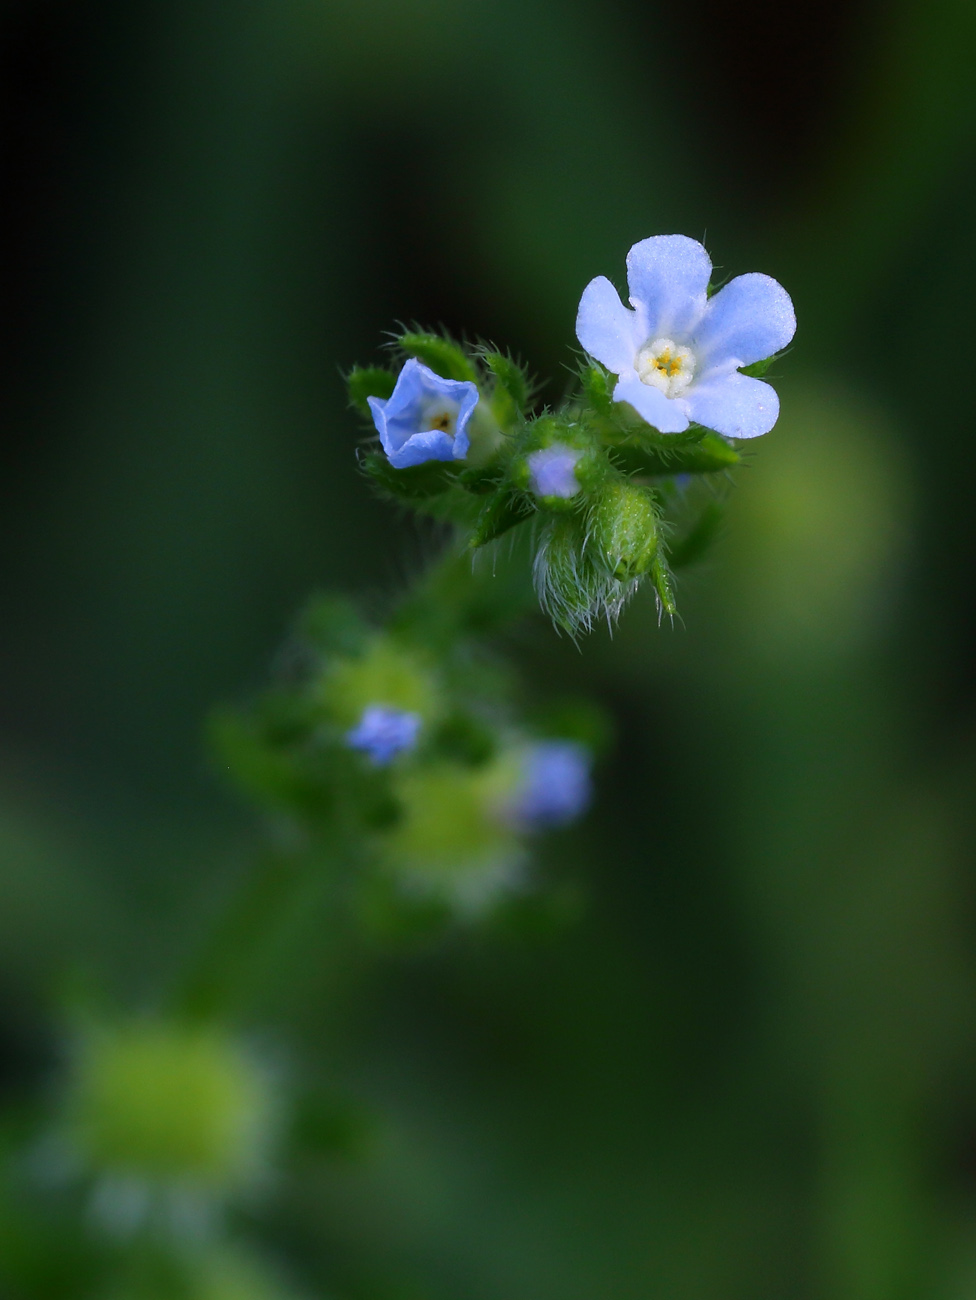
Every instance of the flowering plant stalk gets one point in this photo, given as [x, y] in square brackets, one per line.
[401, 747]
[395, 758]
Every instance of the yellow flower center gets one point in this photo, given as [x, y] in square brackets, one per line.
[440, 414]
[662, 364]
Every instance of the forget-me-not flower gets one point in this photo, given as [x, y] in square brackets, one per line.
[425, 418]
[382, 733]
[677, 354]
[555, 785]
[552, 471]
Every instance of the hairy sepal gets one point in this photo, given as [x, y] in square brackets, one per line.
[707, 454]
[508, 508]
[364, 382]
[418, 483]
[439, 354]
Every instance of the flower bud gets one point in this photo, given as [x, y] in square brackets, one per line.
[558, 460]
[623, 530]
[568, 584]
[169, 1105]
[453, 841]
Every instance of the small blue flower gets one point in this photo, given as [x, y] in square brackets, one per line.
[677, 355]
[552, 471]
[426, 418]
[382, 733]
[555, 785]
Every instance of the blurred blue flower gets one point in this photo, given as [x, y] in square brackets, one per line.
[677, 354]
[552, 471]
[382, 733]
[425, 418]
[555, 786]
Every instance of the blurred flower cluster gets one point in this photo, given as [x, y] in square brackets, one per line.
[165, 1129]
[410, 752]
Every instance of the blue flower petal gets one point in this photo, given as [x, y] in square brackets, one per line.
[555, 786]
[747, 321]
[382, 733]
[668, 277]
[666, 414]
[415, 448]
[734, 405]
[606, 328]
[398, 420]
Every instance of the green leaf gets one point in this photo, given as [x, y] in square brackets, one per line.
[759, 368]
[699, 538]
[708, 455]
[661, 577]
[441, 355]
[413, 484]
[506, 509]
[369, 381]
[268, 773]
[483, 479]
[512, 390]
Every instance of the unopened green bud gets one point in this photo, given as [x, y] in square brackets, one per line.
[623, 530]
[169, 1104]
[573, 589]
[452, 840]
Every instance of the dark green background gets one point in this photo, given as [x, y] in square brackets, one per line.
[747, 1071]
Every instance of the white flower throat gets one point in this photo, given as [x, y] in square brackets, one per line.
[439, 413]
[662, 364]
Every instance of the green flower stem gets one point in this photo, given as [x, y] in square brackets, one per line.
[455, 597]
[462, 594]
[238, 952]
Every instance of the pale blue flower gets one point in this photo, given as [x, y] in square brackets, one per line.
[677, 354]
[555, 785]
[426, 418]
[552, 471]
[383, 733]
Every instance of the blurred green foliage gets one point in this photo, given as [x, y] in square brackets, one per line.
[732, 1052]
